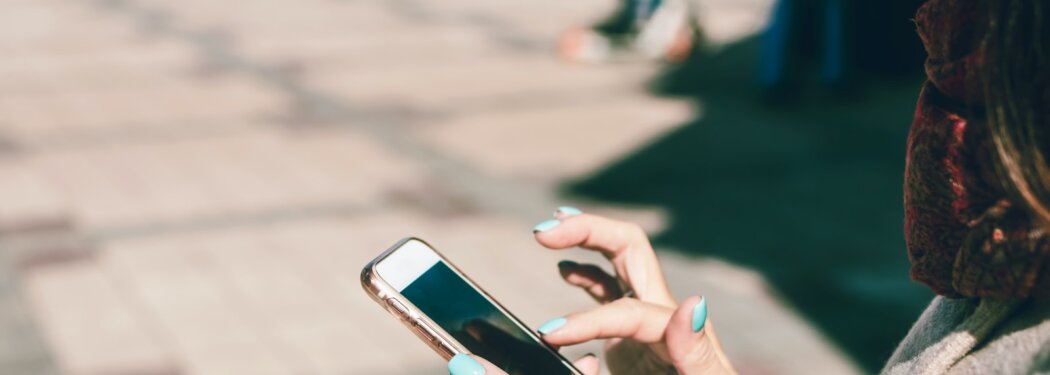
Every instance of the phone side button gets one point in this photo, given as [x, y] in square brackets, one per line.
[427, 331]
[398, 307]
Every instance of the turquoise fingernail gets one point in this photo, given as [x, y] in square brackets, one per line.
[545, 226]
[551, 326]
[462, 364]
[700, 315]
[568, 211]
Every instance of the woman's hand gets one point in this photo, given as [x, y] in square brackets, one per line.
[647, 331]
[645, 338]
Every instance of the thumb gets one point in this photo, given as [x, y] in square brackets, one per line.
[691, 343]
[466, 364]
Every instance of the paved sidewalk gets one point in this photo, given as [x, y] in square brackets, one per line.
[192, 186]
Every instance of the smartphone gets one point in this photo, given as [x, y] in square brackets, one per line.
[452, 314]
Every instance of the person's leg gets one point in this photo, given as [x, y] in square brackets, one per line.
[644, 9]
[775, 43]
[834, 62]
[628, 17]
[638, 30]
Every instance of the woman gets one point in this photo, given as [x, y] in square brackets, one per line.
[977, 202]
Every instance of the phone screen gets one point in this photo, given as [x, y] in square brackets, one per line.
[476, 323]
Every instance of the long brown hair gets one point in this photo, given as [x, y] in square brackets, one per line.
[1017, 95]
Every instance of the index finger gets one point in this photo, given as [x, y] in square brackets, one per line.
[607, 236]
[625, 244]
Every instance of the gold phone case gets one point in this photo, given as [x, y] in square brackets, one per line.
[395, 304]
[429, 332]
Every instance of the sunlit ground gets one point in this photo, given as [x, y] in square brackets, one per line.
[192, 187]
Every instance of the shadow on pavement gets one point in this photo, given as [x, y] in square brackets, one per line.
[809, 195]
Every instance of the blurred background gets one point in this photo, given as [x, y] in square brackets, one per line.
[192, 187]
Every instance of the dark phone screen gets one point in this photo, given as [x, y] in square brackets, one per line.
[477, 324]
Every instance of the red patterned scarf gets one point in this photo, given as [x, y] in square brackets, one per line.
[965, 237]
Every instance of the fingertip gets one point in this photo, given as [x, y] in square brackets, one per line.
[465, 364]
[554, 331]
[568, 233]
[685, 318]
[546, 233]
[699, 315]
[545, 226]
[686, 334]
[552, 326]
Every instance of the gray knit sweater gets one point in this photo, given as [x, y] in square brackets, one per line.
[976, 336]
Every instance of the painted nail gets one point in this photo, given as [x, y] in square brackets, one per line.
[545, 226]
[463, 364]
[551, 326]
[567, 211]
[700, 315]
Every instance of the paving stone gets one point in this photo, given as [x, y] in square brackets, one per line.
[230, 175]
[280, 17]
[91, 324]
[330, 53]
[463, 86]
[40, 28]
[34, 204]
[80, 117]
[22, 349]
[144, 62]
[551, 144]
[539, 22]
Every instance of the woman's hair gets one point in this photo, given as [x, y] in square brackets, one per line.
[1017, 95]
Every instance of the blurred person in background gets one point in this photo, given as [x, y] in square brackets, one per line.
[838, 39]
[781, 41]
[977, 201]
[637, 29]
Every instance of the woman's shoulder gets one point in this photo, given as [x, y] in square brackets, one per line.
[976, 336]
[1020, 344]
